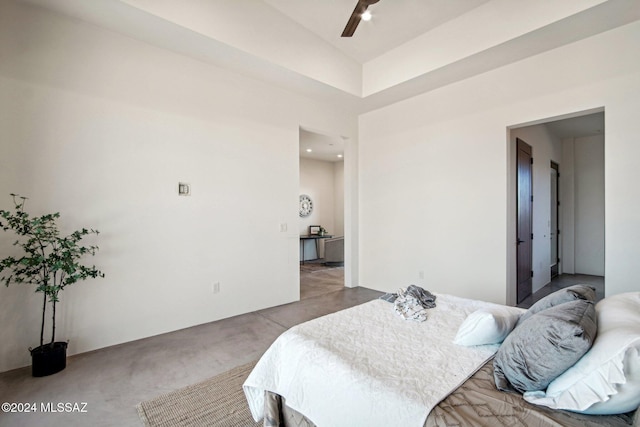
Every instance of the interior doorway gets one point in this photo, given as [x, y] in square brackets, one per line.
[322, 221]
[568, 210]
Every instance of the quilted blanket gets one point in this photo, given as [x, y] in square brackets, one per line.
[367, 366]
[477, 402]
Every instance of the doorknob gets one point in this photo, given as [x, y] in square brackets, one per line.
[520, 241]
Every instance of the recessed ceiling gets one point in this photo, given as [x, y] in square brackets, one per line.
[576, 127]
[394, 22]
[408, 48]
[323, 147]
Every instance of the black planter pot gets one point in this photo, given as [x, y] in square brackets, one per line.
[48, 359]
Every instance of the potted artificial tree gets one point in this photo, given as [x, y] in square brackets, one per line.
[50, 262]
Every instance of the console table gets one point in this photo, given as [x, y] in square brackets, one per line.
[317, 239]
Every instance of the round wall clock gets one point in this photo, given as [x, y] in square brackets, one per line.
[306, 205]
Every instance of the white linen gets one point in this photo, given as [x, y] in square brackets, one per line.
[367, 366]
[606, 380]
[488, 326]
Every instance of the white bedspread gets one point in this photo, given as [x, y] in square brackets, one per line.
[365, 366]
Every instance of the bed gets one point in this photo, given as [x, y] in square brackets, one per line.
[369, 366]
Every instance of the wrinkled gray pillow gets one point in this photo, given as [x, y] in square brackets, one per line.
[544, 346]
[561, 296]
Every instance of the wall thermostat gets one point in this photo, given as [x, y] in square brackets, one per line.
[184, 189]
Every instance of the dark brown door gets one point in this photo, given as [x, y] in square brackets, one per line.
[524, 188]
[554, 225]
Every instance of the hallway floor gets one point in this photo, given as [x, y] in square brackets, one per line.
[563, 281]
[318, 279]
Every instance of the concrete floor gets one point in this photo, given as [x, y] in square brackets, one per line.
[563, 281]
[113, 380]
[317, 279]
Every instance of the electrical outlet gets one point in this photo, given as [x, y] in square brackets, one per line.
[420, 274]
[216, 288]
[283, 227]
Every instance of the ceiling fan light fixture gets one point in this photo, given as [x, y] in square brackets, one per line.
[359, 13]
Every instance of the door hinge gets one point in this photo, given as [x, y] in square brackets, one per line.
[531, 199]
[532, 160]
[531, 236]
[531, 273]
[558, 232]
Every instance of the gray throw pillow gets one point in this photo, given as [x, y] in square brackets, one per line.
[544, 346]
[561, 296]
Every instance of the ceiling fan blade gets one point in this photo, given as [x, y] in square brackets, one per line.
[356, 16]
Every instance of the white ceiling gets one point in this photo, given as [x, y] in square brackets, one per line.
[394, 22]
[323, 147]
[409, 47]
[576, 127]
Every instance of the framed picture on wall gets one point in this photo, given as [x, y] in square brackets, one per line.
[314, 230]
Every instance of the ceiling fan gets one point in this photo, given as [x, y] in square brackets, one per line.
[356, 16]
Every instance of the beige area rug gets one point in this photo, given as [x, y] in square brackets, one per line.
[218, 401]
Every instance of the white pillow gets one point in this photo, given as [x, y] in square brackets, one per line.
[606, 380]
[488, 326]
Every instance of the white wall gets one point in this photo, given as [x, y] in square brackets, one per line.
[567, 207]
[318, 180]
[434, 189]
[589, 205]
[338, 199]
[582, 189]
[102, 128]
